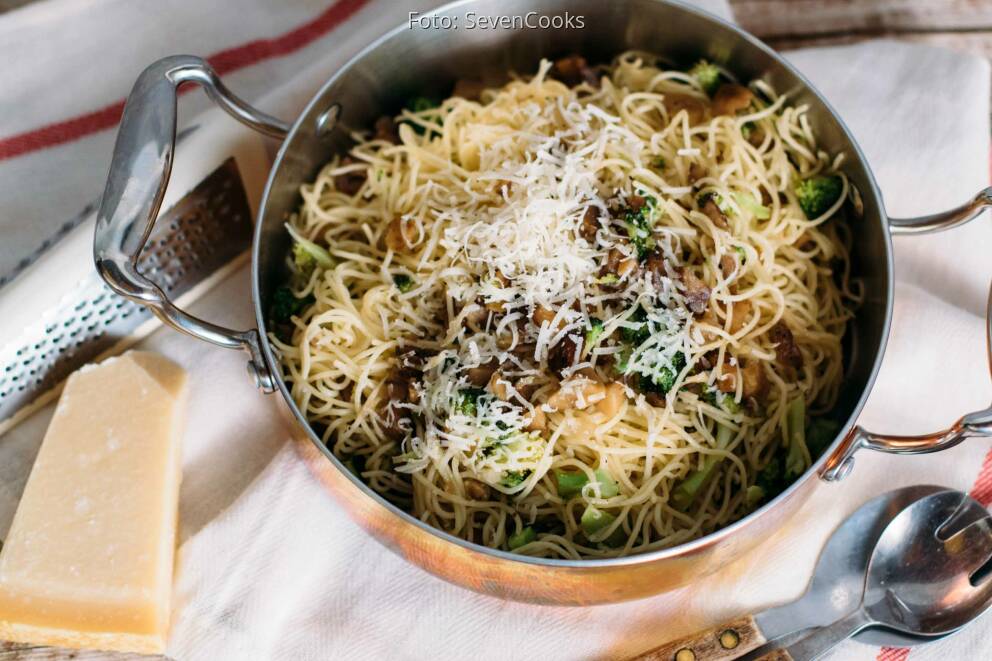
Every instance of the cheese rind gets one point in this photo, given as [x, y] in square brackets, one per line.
[88, 559]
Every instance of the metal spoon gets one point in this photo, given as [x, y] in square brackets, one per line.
[839, 578]
[837, 587]
[926, 577]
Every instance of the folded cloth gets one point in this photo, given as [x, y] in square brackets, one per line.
[270, 568]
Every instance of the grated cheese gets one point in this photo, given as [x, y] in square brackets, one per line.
[524, 252]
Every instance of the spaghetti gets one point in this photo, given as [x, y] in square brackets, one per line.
[586, 314]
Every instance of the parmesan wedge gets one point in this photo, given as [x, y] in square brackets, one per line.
[88, 560]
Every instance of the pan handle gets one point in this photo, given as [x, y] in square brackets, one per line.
[978, 423]
[139, 174]
[943, 220]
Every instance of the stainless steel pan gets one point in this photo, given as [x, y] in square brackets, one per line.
[413, 60]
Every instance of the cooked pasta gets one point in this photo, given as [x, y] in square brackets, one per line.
[588, 313]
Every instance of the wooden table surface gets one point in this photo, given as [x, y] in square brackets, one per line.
[958, 24]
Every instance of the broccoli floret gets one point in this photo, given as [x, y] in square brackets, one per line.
[663, 381]
[746, 129]
[639, 333]
[467, 402]
[622, 359]
[506, 458]
[660, 384]
[285, 304]
[514, 478]
[658, 381]
[639, 226]
[723, 401]
[707, 75]
[817, 194]
[307, 255]
[303, 260]
[593, 333]
[403, 282]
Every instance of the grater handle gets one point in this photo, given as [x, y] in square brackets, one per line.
[139, 174]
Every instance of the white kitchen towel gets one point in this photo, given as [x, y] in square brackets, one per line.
[269, 568]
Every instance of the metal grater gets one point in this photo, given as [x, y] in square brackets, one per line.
[195, 238]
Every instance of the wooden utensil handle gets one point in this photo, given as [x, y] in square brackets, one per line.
[721, 643]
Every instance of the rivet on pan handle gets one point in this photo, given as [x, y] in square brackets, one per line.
[139, 174]
[979, 423]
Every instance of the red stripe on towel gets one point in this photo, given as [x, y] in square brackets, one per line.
[892, 654]
[224, 62]
[982, 490]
